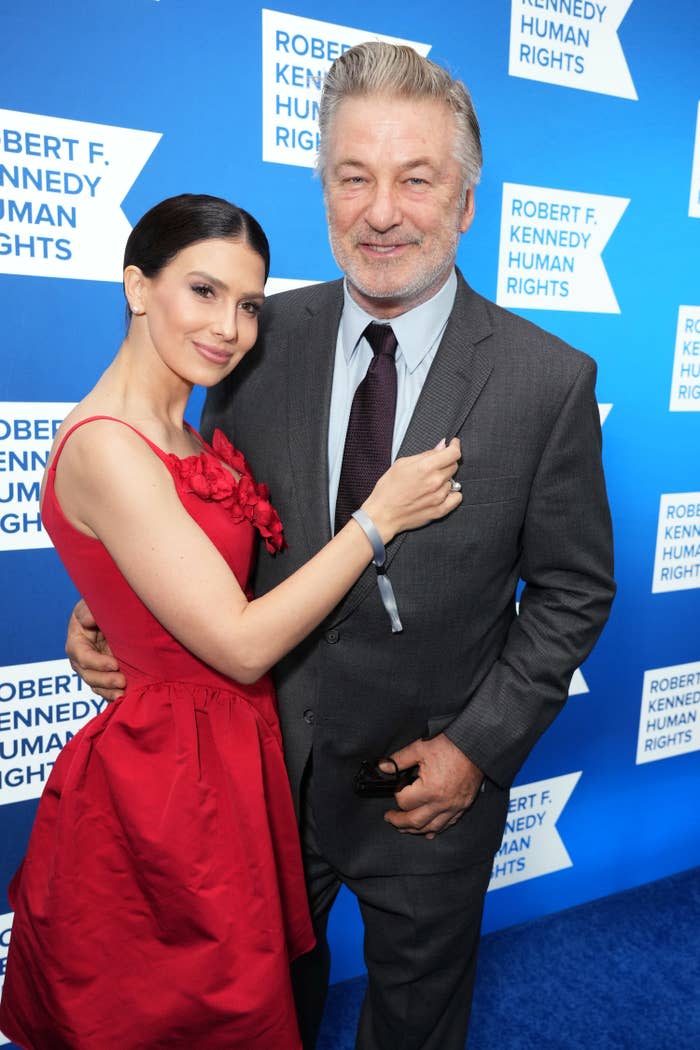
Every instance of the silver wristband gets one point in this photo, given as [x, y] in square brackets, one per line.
[386, 591]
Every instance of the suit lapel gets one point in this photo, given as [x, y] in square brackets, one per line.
[310, 359]
[458, 373]
[457, 376]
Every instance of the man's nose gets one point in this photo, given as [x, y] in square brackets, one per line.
[384, 208]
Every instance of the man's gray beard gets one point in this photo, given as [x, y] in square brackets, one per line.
[412, 289]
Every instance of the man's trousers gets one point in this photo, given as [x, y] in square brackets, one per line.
[421, 941]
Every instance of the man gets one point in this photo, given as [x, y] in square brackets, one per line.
[466, 688]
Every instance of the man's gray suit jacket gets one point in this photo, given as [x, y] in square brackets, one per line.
[534, 508]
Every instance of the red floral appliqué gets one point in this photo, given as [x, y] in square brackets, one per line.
[244, 499]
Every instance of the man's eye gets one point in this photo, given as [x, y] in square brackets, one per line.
[415, 181]
[204, 290]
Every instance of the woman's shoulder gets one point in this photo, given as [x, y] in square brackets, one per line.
[93, 440]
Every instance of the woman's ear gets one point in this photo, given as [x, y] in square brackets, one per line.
[135, 285]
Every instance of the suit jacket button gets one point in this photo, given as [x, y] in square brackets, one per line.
[332, 636]
[309, 716]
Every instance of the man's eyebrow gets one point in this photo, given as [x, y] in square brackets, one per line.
[414, 162]
[417, 162]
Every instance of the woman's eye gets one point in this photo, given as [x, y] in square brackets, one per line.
[204, 290]
[251, 308]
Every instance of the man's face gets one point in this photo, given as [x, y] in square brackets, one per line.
[393, 188]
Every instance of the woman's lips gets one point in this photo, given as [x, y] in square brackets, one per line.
[213, 353]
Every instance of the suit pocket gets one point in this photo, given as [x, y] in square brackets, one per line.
[477, 491]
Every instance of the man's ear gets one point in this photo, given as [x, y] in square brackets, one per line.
[468, 211]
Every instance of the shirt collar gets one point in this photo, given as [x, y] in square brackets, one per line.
[416, 331]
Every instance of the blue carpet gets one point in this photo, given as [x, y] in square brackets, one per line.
[620, 973]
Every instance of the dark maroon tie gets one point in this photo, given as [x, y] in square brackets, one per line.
[371, 425]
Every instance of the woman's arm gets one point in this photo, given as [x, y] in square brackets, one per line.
[111, 485]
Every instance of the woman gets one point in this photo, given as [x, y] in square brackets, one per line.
[162, 895]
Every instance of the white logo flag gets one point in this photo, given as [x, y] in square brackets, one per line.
[668, 718]
[685, 383]
[694, 208]
[550, 250]
[572, 43]
[5, 931]
[44, 705]
[62, 184]
[285, 284]
[578, 685]
[26, 434]
[27, 430]
[297, 54]
[531, 844]
[677, 558]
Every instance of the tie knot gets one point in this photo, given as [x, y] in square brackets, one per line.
[381, 338]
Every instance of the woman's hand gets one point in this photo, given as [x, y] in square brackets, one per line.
[415, 490]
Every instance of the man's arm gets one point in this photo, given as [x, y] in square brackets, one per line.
[90, 656]
[567, 566]
[567, 570]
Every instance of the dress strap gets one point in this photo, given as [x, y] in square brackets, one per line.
[114, 419]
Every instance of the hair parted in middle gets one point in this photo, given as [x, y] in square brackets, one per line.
[380, 68]
[177, 222]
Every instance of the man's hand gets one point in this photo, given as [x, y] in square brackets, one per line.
[447, 784]
[91, 657]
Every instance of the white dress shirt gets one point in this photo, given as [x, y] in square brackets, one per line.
[418, 333]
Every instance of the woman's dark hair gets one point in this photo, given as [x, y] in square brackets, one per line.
[178, 222]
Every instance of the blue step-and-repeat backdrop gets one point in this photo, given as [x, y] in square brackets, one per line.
[588, 223]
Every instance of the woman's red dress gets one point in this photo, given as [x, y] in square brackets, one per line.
[162, 895]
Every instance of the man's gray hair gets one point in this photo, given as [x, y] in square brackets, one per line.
[379, 68]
